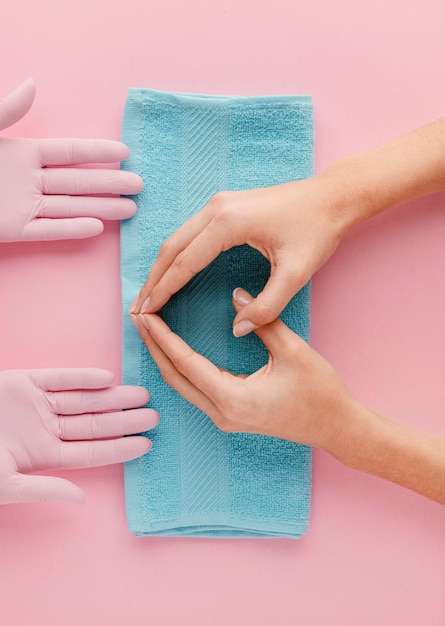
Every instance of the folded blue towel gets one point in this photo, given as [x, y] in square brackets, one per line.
[198, 481]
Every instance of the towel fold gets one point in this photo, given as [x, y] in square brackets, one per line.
[196, 480]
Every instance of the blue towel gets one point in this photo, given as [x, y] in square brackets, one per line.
[198, 481]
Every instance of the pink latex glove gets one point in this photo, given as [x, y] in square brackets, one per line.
[54, 419]
[42, 197]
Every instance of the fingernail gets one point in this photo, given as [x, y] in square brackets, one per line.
[132, 308]
[144, 321]
[243, 328]
[145, 305]
[241, 296]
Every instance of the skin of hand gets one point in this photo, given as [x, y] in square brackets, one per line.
[42, 196]
[264, 402]
[292, 225]
[297, 226]
[55, 419]
[298, 396]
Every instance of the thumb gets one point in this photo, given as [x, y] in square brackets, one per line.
[267, 306]
[276, 336]
[15, 105]
[31, 488]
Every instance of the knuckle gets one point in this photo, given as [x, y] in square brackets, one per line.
[181, 260]
[44, 207]
[84, 403]
[60, 428]
[223, 424]
[227, 424]
[92, 454]
[61, 401]
[180, 362]
[43, 180]
[95, 426]
[166, 248]
[166, 374]
[184, 265]
[79, 182]
[70, 152]
[223, 217]
[121, 425]
[222, 206]
[265, 312]
[53, 402]
[218, 199]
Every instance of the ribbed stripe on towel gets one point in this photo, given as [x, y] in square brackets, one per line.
[197, 480]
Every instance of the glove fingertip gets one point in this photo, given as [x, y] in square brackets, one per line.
[95, 227]
[77, 497]
[85, 228]
[124, 150]
[16, 104]
[66, 491]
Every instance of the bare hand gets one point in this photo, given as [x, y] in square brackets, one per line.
[289, 224]
[297, 396]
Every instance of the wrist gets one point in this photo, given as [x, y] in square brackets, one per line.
[354, 429]
[353, 191]
[397, 452]
[366, 183]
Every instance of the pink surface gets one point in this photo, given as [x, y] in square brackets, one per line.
[374, 553]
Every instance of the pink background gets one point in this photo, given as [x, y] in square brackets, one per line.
[374, 553]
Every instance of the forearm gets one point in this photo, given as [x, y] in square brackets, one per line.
[397, 452]
[369, 182]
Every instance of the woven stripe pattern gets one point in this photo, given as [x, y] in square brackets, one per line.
[198, 481]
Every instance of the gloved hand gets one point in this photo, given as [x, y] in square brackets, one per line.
[64, 419]
[41, 197]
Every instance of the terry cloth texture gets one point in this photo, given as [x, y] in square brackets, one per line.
[198, 481]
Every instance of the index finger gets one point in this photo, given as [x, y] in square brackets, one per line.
[78, 151]
[206, 376]
[216, 237]
[195, 257]
[170, 249]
